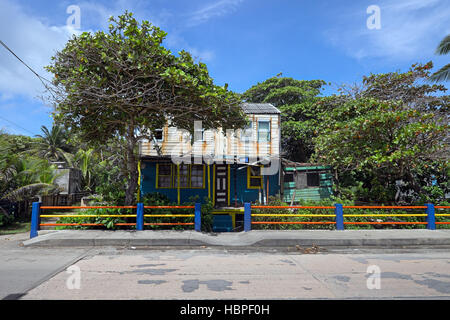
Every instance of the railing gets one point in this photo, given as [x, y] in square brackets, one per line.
[339, 215]
[37, 209]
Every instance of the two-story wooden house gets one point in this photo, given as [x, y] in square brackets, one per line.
[229, 167]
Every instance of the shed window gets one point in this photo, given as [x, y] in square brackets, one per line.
[312, 179]
[289, 177]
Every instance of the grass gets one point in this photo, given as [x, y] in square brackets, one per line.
[15, 227]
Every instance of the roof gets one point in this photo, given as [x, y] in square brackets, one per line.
[292, 165]
[259, 108]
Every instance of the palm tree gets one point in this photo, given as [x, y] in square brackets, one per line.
[29, 177]
[84, 161]
[52, 145]
[444, 73]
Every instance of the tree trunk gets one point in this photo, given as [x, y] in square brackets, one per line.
[130, 192]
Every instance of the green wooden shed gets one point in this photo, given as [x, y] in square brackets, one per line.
[305, 181]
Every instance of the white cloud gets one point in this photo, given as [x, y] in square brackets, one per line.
[409, 30]
[34, 42]
[212, 10]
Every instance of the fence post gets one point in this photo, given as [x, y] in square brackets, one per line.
[140, 216]
[35, 215]
[339, 212]
[247, 216]
[198, 217]
[431, 218]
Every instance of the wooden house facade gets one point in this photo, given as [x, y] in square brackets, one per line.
[230, 167]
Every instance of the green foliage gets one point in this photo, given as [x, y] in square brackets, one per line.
[442, 74]
[5, 218]
[384, 133]
[123, 84]
[108, 222]
[296, 100]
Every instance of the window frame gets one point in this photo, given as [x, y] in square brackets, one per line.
[175, 176]
[248, 128]
[269, 136]
[203, 176]
[164, 175]
[162, 135]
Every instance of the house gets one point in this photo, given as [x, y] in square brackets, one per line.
[230, 167]
[305, 181]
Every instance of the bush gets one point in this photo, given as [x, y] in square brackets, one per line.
[330, 202]
[108, 222]
[5, 218]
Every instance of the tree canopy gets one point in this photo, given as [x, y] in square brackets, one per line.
[296, 100]
[125, 84]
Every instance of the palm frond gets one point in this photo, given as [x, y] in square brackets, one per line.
[30, 191]
[444, 46]
[442, 74]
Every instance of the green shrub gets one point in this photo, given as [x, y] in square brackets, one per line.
[108, 222]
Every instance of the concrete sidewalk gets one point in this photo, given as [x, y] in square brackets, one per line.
[257, 238]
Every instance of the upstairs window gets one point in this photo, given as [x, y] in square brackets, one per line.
[158, 135]
[247, 132]
[263, 131]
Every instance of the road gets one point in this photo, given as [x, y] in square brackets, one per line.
[225, 273]
[23, 268]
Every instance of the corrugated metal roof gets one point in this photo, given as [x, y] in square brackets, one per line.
[259, 108]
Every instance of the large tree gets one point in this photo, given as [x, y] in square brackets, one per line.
[389, 129]
[296, 100]
[123, 84]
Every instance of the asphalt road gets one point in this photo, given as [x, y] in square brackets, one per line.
[212, 273]
[24, 268]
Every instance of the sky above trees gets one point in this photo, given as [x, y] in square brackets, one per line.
[241, 41]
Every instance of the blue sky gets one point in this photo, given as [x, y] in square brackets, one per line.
[243, 42]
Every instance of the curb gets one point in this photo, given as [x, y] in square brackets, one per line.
[391, 238]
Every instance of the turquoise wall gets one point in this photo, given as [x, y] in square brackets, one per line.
[325, 191]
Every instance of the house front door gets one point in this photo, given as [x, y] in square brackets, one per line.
[221, 192]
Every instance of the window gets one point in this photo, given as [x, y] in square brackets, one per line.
[263, 131]
[312, 179]
[191, 176]
[247, 132]
[289, 177]
[254, 178]
[184, 176]
[197, 176]
[164, 175]
[159, 135]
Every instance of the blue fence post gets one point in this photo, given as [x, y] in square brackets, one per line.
[35, 215]
[339, 211]
[198, 217]
[140, 216]
[247, 216]
[431, 218]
